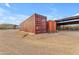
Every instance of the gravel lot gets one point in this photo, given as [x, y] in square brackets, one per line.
[15, 42]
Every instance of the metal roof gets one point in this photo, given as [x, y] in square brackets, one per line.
[68, 18]
[67, 23]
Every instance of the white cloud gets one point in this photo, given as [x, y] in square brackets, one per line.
[54, 18]
[14, 19]
[2, 11]
[17, 19]
[76, 14]
[9, 17]
[7, 4]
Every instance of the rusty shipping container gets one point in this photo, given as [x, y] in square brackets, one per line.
[35, 24]
[51, 26]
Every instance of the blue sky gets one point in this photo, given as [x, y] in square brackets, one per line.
[18, 12]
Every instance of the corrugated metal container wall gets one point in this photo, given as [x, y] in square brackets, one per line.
[35, 24]
[51, 26]
[28, 25]
[40, 22]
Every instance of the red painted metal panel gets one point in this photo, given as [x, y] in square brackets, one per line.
[40, 23]
[35, 24]
[51, 26]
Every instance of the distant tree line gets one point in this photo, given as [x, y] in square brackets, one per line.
[8, 26]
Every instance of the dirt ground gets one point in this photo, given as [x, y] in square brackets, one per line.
[15, 42]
